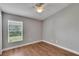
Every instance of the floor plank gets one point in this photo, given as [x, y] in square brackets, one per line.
[37, 49]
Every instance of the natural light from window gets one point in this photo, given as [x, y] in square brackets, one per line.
[15, 31]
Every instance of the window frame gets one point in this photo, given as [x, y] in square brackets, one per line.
[21, 32]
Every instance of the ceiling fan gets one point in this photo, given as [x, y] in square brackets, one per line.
[39, 7]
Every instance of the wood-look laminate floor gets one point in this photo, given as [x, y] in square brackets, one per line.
[38, 49]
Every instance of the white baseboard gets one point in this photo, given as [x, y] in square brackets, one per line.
[42, 41]
[21, 45]
[67, 49]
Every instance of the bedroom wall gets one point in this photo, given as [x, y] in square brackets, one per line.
[0, 32]
[32, 30]
[62, 28]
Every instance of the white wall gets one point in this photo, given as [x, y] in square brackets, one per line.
[32, 30]
[0, 32]
[63, 27]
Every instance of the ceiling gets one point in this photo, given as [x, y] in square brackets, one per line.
[28, 10]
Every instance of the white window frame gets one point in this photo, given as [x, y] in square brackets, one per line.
[21, 29]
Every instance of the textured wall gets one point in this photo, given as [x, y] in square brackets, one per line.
[32, 30]
[0, 30]
[63, 27]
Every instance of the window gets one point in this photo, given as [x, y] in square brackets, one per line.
[15, 31]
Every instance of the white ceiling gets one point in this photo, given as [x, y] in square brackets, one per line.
[28, 10]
